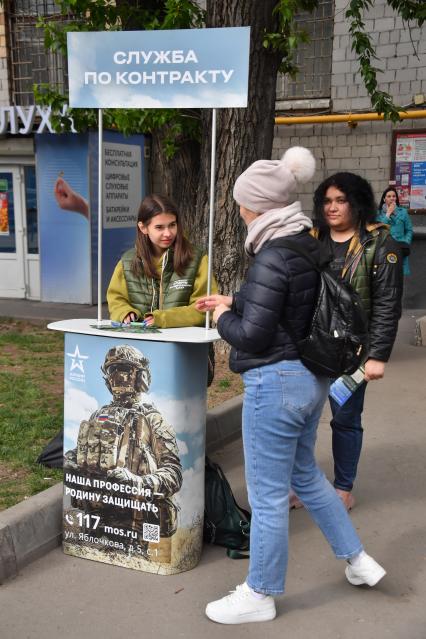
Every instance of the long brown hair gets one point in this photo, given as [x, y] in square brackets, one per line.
[151, 206]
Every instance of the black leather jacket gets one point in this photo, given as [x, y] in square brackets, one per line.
[378, 278]
[279, 291]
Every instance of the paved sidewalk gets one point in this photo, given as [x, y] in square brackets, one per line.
[61, 596]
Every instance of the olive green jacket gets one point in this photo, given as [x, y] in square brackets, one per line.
[170, 298]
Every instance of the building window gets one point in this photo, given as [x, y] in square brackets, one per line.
[29, 61]
[313, 58]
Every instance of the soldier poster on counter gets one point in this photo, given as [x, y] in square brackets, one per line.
[133, 486]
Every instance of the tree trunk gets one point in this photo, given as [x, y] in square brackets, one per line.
[177, 178]
[243, 136]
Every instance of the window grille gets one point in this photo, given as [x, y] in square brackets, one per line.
[30, 63]
[313, 58]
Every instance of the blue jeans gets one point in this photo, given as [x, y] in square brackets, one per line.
[281, 409]
[347, 434]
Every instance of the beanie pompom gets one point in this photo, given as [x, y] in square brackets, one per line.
[300, 162]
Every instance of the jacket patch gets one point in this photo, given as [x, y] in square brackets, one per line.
[392, 258]
[179, 284]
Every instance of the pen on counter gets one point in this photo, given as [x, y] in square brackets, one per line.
[143, 323]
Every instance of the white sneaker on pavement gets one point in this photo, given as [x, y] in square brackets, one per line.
[365, 571]
[241, 606]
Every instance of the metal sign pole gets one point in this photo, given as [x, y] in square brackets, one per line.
[100, 209]
[211, 211]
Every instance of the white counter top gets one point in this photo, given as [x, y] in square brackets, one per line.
[190, 334]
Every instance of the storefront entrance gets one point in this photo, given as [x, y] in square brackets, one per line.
[19, 251]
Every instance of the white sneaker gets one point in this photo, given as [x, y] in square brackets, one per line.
[241, 606]
[366, 571]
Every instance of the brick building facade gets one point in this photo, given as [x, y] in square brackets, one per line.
[4, 87]
[365, 148]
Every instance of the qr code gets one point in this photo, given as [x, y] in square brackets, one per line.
[151, 532]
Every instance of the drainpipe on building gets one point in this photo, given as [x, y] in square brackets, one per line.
[351, 119]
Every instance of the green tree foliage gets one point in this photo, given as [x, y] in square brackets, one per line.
[102, 15]
[362, 44]
[178, 125]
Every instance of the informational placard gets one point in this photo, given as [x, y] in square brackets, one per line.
[134, 441]
[409, 168]
[182, 68]
[122, 185]
[124, 172]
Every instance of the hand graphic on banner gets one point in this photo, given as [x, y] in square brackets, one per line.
[68, 199]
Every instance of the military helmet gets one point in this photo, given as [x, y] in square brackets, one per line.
[130, 356]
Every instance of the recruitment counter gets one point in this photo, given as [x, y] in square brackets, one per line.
[134, 444]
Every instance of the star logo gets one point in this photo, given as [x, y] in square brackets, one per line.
[77, 359]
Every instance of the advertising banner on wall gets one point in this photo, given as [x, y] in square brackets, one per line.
[67, 188]
[122, 185]
[182, 68]
[4, 207]
[64, 218]
[134, 438]
[123, 190]
[409, 172]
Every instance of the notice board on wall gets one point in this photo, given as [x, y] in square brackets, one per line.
[408, 170]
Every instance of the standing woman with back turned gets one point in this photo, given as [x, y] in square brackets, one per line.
[163, 276]
[283, 400]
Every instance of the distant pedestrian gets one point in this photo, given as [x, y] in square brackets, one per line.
[392, 213]
[283, 400]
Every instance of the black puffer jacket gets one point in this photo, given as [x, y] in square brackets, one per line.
[279, 291]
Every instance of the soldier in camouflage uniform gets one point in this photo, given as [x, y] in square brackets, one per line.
[129, 442]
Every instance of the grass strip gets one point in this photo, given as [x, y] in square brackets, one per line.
[31, 407]
[31, 404]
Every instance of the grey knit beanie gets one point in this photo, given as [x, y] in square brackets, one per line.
[268, 184]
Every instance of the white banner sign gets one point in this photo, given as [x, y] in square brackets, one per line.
[186, 68]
